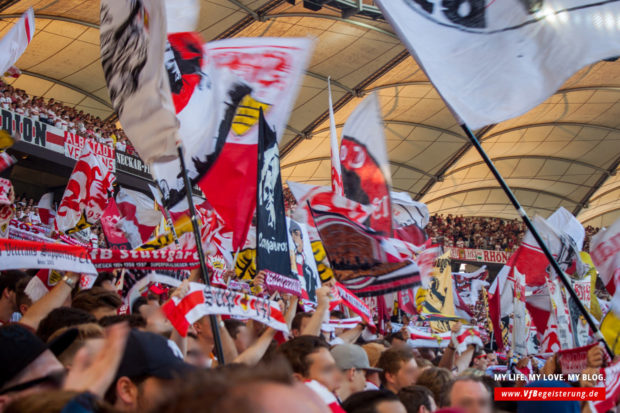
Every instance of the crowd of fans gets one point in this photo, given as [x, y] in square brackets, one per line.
[483, 233]
[71, 351]
[64, 117]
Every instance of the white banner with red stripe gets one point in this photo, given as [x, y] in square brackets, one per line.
[354, 304]
[16, 254]
[202, 300]
[14, 43]
[162, 259]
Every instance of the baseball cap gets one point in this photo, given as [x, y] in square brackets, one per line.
[20, 347]
[149, 355]
[351, 356]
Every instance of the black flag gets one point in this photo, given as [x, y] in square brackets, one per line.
[272, 251]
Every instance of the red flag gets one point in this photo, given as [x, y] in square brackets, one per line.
[86, 195]
[46, 208]
[138, 210]
[109, 223]
[365, 168]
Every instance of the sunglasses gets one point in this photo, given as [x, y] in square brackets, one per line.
[54, 379]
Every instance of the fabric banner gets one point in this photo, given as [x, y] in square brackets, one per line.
[133, 41]
[359, 259]
[303, 259]
[410, 218]
[478, 255]
[7, 195]
[139, 215]
[574, 360]
[425, 338]
[492, 61]
[365, 167]
[47, 211]
[354, 304]
[136, 282]
[110, 220]
[345, 324]
[337, 185]
[14, 43]
[202, 300]
[6, 161]
[163, 259]
[605, 253]
[520, 326]
[74, 144]
[321, 198]
[272, 248]
[16, 254]
[6, 215]
[611, 382]
[579, 326]
[86, 194]
[439, 298]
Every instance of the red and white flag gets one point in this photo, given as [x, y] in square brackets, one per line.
[365, 167]
[245, 75]
[321, 198]
[6, 161]
[14, 43]
[202, 300]
[110, 220]
[605, 253]
[494, 60]
[611, 381]
[47, 212]
[139, 216]
[337, 186]
[86, 195]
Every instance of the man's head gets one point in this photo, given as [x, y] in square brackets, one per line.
[240, 333]
[22, 300]
[97, 301]
[374, 401]
[28, 364]
[470, 394]
[310, 359]
[145, 373]
[399, 368]
[105, 280]
[299, 323]
[8, 285]
[353, 362]
[417, 399]
[195, 354]
[479, 361]
[62, 317]
[437, 380]
[397, 339]
[89, 335]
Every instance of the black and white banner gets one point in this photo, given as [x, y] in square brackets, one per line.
[272, 246]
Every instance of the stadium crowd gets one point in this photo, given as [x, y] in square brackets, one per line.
[64, 117]
[71, 351]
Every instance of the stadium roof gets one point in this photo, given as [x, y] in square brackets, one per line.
[565, 152]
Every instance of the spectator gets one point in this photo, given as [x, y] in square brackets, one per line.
[417, 399]
[469, 394]
[374, 401]
[8, 295]
[239, 333]
[437, 380]
[353, 362]
[89, 335]
[62, 317]
[399, 369]
[97, 301]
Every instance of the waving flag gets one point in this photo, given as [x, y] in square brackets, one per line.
[410, 218]
[365, 168]
[47, 212]
[139, 216]
[133, 41]
[247, 75]
[14, 43]
[272, 248]
[605, 253]
[494, 60]
[86, 195]
[110, 224]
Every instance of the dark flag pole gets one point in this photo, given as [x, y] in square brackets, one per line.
[201, 255]
[537, 237]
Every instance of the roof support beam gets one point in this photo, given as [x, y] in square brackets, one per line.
[329, 17]
[552, 124]
[514, 188]
[586, 199]
[405, 123]
[69, 86]
[50, 17]
[541, 157]
[494, 204]
[327, 158]
[333, 82]
[343, 101]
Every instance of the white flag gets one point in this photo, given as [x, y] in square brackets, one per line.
[12, 45]
[337, 187]
[495, 60]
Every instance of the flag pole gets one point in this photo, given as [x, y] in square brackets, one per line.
[201, 256]
[528, 223]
